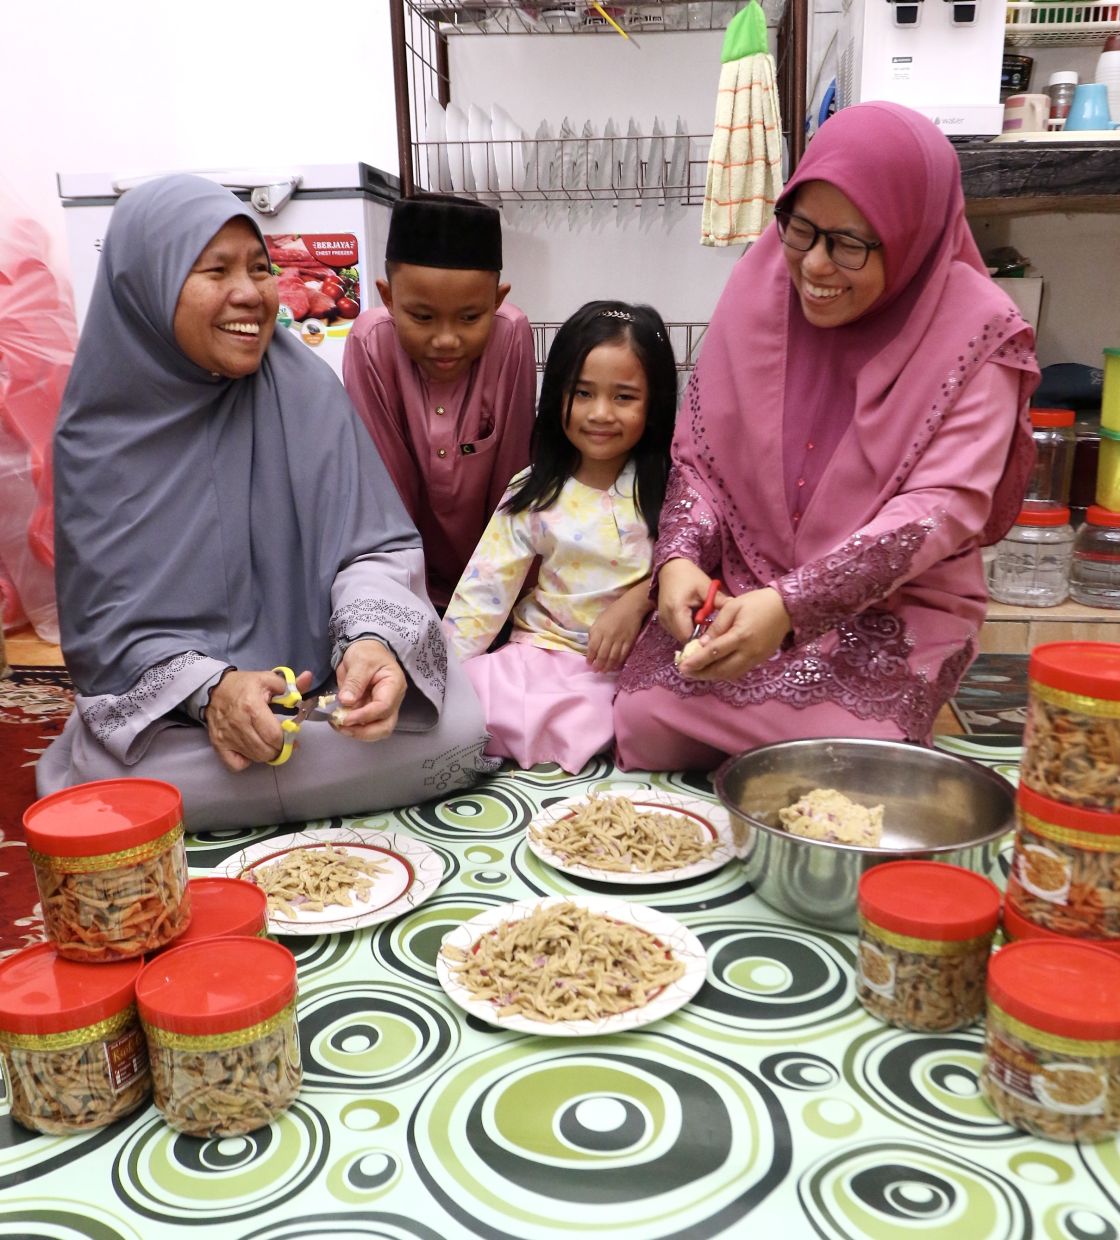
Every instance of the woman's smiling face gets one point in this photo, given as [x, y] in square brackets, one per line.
[831, 295]
[226, 312]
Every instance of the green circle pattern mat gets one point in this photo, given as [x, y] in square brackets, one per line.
[770, 1105]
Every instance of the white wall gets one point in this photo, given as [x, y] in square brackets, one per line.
[145, 85]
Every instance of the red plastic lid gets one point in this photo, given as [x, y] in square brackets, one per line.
[102, 817]
[1062, 986]
[221, 907]
[1043, 516]
[1062, 815]
[929, 900]
[1089, 668]
[42, 993]
[203, 988]
[1052, 417]
[1016, 926]
[1096, 515]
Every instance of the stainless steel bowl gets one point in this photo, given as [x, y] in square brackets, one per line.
[937, 807]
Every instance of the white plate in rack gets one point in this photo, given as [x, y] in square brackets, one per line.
[459, 166]
[481, 134]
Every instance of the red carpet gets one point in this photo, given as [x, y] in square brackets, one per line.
[34, 704]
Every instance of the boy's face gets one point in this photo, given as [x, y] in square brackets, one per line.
[443, 316]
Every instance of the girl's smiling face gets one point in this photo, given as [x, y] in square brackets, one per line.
[832, 295]
[607, 414]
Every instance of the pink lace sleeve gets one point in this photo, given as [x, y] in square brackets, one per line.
[819, 595]
[688, 528]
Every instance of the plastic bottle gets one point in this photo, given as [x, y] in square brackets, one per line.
[1108, 72]
[1054, 441]
[1060, 88]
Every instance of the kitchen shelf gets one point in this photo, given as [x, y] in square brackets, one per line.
[1044, 25]
[544, 17]
[684, 337]
[1030, 178]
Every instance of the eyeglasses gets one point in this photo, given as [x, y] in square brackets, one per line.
[801, 234]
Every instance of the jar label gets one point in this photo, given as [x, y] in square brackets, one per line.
[1067, 1088]
[876, 970]
[1043, 872]
[127, 1057]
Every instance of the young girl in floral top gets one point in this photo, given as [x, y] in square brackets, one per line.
[585, 514]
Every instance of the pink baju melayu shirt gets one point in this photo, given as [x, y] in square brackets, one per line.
[450, 448]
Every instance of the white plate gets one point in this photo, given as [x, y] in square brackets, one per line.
[678, 164]
[456, 124]
[684, 944]
[653, 173]
[413, 872]
[435, 134]
[481, 135]
[507, 146]
[713, 819]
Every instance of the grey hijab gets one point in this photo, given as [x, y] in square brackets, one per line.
[195, 512]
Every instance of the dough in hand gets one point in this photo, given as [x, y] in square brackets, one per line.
[689, 649]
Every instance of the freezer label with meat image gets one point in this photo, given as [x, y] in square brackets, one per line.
[317, 278]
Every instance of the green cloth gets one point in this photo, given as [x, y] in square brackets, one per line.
[746, 34]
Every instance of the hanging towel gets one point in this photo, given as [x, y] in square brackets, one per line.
[745, 161]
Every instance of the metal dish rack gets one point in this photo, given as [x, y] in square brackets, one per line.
[1046, 24]
[518, 170]
[684, 337]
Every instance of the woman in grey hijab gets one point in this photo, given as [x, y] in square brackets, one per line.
[220, 511]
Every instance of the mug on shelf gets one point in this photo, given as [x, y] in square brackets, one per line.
[1025, 113]
[1089, 109]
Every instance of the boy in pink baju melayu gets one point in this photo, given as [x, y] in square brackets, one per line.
[443, 376]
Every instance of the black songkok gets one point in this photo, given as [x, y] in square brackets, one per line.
[438, 230]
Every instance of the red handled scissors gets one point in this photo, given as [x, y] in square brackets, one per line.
[702, 616]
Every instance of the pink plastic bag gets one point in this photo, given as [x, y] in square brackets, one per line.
[37, 341]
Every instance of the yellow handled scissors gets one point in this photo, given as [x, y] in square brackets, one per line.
[290, 725]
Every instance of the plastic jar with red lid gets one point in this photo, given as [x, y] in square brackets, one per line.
[224, 907]
[1065, 872]
[71, 1040]
[1071, 741]
[1094, 574]
[925, 933]
[1052, 1047]
[1017, 927]
[1054, 442]
[111, 867]
[220, 1020]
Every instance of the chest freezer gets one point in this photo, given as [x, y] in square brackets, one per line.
[325, 226]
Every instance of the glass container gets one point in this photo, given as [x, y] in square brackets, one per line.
[1054, 441]
[1031, 565]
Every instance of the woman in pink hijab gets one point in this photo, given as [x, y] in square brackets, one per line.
[855, 430]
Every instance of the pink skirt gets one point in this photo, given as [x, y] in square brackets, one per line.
[543, 705]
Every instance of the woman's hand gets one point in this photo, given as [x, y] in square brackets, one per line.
[681, 588]
[745, 632]
[241, 727]
[613, 635]
[371, 687]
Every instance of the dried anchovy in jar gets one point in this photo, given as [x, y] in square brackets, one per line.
[925, 986]
[1072, 749]
[96, 913]
[224, 1085]
[1065, 873]
[61, 1083]
[1067, 1094]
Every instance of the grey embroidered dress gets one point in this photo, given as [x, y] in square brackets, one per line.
[205, 523]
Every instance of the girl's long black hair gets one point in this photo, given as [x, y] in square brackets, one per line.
[553, 457]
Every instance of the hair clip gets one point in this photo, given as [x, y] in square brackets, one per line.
[625, 315]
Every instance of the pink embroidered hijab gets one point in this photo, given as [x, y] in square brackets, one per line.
[872, 393]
